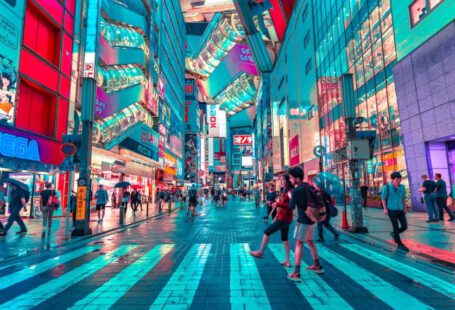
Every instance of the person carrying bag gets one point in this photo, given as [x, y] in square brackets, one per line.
[49, 203]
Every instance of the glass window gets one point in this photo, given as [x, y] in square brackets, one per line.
[393, 107]
[384, 7]
[306, 41]
[389, 47]
[372, 113]
[378, 60]
[368, 65]
[308, 67]
[418, 10]
[434, 3]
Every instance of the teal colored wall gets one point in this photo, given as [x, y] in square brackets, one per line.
[409, 38]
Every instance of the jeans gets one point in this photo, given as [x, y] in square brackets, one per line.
[15, 217]
[326, 223]
[48, 212]
[442, 205]
[397, 216]
[432, 209]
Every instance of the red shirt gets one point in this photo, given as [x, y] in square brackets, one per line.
[284, 212]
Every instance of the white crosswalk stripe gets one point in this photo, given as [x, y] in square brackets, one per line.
[181, 287]
[33, 270]
[51, 288]
[103, 297]
[247, 290]
[313, 287]
[415, 274]
[388, 293]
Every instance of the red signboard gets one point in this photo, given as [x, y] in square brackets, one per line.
[294, 155]
[243, 139]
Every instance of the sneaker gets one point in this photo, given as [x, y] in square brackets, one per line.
[317, 269]
[403, 248]
[295, 277]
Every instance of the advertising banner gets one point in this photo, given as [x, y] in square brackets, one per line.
[11, 16]
[216, 120]
[243, 139]
[144, 141]
[192, 122]
[191, 156]
[294, 155]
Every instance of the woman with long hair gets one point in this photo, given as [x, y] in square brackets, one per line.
[281, 222]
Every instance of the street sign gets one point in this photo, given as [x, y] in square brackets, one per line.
[67, 164]
[319, 151]
[80, 207]
[68, 149]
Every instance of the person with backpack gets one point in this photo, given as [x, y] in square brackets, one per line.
[394, 203]
[281, 222]
[134, 200]
[125, 198]
[193, 200]
[18, 199]
[162, 197]
[49, 203]
[101, 199]
[310, 210]
[331, 212]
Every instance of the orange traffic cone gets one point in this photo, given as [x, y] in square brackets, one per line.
[344, 220]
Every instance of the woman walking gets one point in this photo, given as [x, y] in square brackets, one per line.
[48, 206]
[281, 222]
[326, 223]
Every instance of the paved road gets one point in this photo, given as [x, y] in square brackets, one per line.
[178, 262]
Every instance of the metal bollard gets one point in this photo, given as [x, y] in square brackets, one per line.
[121, 215]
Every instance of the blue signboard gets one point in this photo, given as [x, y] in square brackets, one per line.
[143, 141]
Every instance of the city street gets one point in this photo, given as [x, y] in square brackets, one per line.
[179, 262]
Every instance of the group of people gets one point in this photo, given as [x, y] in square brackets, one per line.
[18, 199]
[295, 194]
[435, 198]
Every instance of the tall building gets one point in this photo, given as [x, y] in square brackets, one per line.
[35, 69]
[424, 78]
[295, 121]
[357, 37]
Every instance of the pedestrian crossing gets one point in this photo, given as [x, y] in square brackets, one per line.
[245, 286]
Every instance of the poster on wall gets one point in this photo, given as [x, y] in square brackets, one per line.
[10, 46]
[191, 156]
[294, 154]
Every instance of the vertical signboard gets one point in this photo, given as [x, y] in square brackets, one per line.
[216, 120]
[11, 17]
[294, 154]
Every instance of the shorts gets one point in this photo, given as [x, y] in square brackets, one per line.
[304, 232]
[278, 225]
[99, 207]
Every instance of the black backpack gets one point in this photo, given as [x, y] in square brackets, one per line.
[316, 209]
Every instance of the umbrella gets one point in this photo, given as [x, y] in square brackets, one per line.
[329, 182]
[122, 184]
[17, 183]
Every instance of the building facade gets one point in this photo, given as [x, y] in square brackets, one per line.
[35, 68]
[424, 78]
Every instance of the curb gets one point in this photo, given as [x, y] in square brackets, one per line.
[38, 250]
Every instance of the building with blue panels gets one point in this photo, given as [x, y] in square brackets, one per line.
[424, 78]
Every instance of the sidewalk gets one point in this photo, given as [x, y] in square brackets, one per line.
[431, 241]
[15, 246]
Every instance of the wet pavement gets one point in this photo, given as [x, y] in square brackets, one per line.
[180, 262]
[14, 246]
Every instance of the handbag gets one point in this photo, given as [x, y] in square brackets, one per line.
[52, 201]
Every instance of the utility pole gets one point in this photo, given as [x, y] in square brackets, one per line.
[90, 9]
[351, 122]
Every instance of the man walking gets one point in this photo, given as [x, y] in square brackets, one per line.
[394, 203]
[428, 189]
[364, 194]
[441, 198]
[304, 227]
[17, 201]
[101, 199]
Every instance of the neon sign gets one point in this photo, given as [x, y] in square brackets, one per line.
[19, 147]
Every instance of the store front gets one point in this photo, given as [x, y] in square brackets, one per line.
[33, 160]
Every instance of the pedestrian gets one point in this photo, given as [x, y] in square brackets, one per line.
[428, 189]
[327, 199]
[364, 194]
[18, 198]
[394, 203]
[125, 198]
[224, 195]
[162, 197]
[193, 200]
[2, 205]
[304, 227]
[134, 200]
[49, 203]
[281, 222]
[270, 199]
[257, 197]
[101, 200]
[114, 198]
[441, 198]
[217, 197]
[139, 198]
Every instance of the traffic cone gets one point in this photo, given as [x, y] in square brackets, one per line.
[344, 220]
